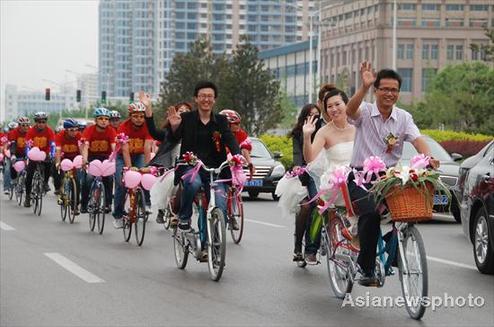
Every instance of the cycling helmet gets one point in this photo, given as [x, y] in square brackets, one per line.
[23, 120]
[232, 116]
[98, 112]
[82, 124]
[12, 125]
[136, 107]
[70, 123]
[115, 114]
[58, 129]
[40, 115]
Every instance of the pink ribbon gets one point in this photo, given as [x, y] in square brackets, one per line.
[420, 161]
[192, 173]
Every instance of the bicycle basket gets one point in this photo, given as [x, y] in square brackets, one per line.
[410, 204]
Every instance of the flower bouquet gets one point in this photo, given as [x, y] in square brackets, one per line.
[409, 191]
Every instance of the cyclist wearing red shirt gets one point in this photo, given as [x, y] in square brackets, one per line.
[16, 144]
[67, 142]
[98, 142]
[240, 135]
[41, 136]
[135, 153]
[115, 119]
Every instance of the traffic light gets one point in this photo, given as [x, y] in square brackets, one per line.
[103, 96]
[78, 96]
[47, 94]
[131, 97]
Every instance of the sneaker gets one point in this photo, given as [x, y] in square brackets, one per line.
[173, 222]
[83, 209]
[107, 209]
[232, 224]
[6, 192]
[27, 202]
[148, 210]
[311, 259]
[297, 257]
[76, 212]
[159, 217]
[47, 188]
[118, 223]
[184, 226]
[203, 256]
[368, 280]
[57, 192]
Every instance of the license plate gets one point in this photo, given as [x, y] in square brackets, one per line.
[440, 199]
[254, 182]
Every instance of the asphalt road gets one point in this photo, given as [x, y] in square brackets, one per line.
[121, 284]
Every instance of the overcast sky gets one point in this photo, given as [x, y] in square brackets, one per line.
[41, 39]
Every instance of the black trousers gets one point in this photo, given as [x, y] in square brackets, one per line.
[368, 224]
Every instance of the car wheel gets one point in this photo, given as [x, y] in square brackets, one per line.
[455, 210]
[482, 250]
[275, 197]
[253, 194]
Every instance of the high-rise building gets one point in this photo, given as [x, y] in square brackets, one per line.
[139, 38]
[430, 35]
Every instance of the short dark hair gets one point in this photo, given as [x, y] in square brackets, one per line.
[205, 85]
[387, 73]
[325, 88]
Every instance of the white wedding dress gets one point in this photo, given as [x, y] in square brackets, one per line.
[290, 189]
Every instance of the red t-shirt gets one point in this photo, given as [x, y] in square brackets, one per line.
[99, 142]
[241, 136]
[137, 137]
[70, 146]
[20, 141]
[41, 139]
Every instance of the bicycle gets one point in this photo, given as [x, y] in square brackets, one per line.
[235, 212]
[38, 189]
[19, 185]
[68, 197]
[211, 223]
[135, 210]
[97, 198]
[341, 257]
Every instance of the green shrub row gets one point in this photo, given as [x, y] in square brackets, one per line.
[282, 144]
[441, 136]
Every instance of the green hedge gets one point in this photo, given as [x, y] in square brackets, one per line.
[283, 144]
[441, 136]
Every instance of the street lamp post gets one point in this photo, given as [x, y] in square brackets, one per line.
[394, 34]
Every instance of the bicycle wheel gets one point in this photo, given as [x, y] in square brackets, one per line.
[127, 224]
[167, 218]
[338, 269]
[62, 200]
[141, 217]
[180, 248]
[11, 190]
[72, 199]
[237, 214]
[93, 206]
[100, 217]
[19, 189]
[216, 244]
[37, 190]
[412, 265]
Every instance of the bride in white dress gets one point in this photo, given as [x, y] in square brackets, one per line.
[333, 144]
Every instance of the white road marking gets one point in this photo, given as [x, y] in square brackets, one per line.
[263, 223]
[451, 263]
[6, 227]
[74, 268]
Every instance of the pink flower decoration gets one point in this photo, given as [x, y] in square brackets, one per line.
[374, 165]
[122, 138]
[420, 161]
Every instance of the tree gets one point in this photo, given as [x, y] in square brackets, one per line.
[486, 50]
[461, 98]
[289, 111]
[252, 90]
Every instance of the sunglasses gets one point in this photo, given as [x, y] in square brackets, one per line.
[73, 129]
[102, 118]
[41, 121]
[24, 125]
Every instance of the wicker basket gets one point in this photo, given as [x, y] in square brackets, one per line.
[408, 204]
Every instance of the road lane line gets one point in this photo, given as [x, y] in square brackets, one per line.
[74, 268]
[451, 263]
[263, 223]
[6, 227]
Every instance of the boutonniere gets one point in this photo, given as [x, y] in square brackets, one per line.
[190, 158]
[122, 138]
[390, 140]
[217, 140]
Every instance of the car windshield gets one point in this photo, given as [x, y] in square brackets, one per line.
[259, 150]
[437, 151]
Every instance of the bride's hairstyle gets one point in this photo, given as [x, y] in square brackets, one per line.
[297, 129]
[329, 94]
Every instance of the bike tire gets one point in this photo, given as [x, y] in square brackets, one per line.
[408, 257]
[19, 189]
[63, 200]
[338, 270]
[38, 187]
[216, 244]
[72, 197]
[93, 207]
[237, 213]
[141, 218]
[167, 218]
[127, 224]
[100, 218]
[180, 248]
[11, 190]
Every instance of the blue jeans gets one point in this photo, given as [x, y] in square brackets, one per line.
[137, 161]
[6, 174]
[190, 189]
